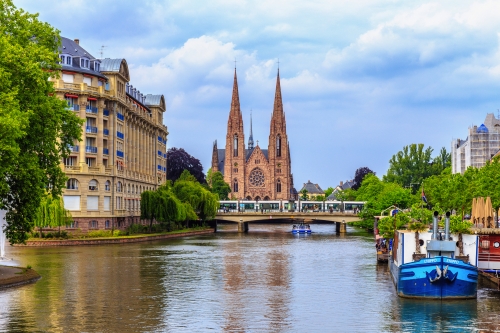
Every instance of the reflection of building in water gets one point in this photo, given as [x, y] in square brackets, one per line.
[256, 286]
[92, 289]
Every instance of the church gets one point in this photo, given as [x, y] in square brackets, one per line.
[254, 173]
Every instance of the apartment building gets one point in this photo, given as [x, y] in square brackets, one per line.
[481, 144]
[123, 148]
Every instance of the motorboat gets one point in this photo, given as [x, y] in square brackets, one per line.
[301, 228]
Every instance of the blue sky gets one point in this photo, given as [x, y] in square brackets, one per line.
[360, 79]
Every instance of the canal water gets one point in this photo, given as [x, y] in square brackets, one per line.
[265, 281]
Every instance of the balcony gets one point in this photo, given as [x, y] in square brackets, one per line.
[91, 109]
[120, 135]
[91, 129]
[120, 116]
[91, 149]
[105, 151]
[74, 107]
[159, 168]
[74, 149]
[105, 131]
[106, 112]
[119, 153]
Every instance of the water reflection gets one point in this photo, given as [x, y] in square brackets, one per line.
[265, 281]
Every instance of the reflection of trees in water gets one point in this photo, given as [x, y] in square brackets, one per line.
[278, 282]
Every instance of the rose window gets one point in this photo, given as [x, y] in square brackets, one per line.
[257, 178]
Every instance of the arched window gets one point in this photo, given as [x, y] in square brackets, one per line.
[235, 145]
[119, 187]
[72, 184]
[93, 224]
[107, 185]
[107, 224]
[278, 186]
[278, 146]
[235, 185]
[93, 185]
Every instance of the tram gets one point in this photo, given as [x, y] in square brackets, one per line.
[274, 206]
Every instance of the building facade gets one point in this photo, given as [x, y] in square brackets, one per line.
[254, 173]
[123, 147]
[481, 144]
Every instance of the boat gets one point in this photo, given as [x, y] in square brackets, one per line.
[381, 245]
[438, 272]
[301, 228]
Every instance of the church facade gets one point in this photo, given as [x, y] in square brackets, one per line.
[254, 173]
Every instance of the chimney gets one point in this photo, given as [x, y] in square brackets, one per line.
[341, 183]
[77, 41]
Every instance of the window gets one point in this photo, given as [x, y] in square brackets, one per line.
[92, 202]
[235, 185]
[107, 224]
[107, 185]
[107, 201]
[70, 161]
[72, 184]
[278, 146]
[87, 64]
[119, 187]
[68, 78]
[118, 202]
[235, 145]
[128, 191]
[82, 63]
[93, 185]
[63, 58]
[278, 186]
[72, 225]
[93, 224]
[90, 162]
[68, 60]
[88, 81]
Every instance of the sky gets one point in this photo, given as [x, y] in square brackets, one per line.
[360, 79]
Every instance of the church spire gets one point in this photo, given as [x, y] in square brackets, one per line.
[235, 122]
[278, 117]
[250, 138]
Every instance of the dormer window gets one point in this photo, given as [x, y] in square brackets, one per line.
[84, 63]
[68, 60]
[63, 58]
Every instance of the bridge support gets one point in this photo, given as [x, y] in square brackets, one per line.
[341, 227]
[242, 226]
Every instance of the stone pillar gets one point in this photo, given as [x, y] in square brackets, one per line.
[242, 226]
[340, 227]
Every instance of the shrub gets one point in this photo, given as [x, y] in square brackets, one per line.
[99, 233]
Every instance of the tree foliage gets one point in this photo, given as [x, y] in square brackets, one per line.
[359, 175]
[51, 213]
[410, 166]
[219, 186]
[35, 126]
[179, 160]
[328, 191]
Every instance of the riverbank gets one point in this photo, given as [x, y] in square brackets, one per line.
[11, 276]
[114, 240]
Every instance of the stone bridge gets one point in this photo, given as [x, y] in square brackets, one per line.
[244, 218]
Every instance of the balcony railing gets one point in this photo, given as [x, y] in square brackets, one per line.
[105, 131]
[120, 116]
[119, 153]
[74, 107]
[74, 148]
[120, 135]
[106, 112]
[91, 109]
[91, 129]
[91, 149]
[105, 151]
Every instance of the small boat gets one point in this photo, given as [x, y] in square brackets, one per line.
[381, 245]
[302, 228]
[438, 272]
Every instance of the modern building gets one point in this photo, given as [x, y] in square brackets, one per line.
[123, 147]
[481, 144]
[313, 190]
[254, 173]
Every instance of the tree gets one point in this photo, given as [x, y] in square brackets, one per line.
[149, 202]
[460, 226]
[35, 126]
[359, 175]
[51, 213]
[303, 194]
[410, 166]
[328, 191]
[179, 160]
[420, 219]
[219, 186]
[441, 162]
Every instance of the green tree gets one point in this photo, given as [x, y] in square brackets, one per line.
[328, 191]
[303, 194]
[420, 220]
[35, 126]
[219, 186]
[51, 213]
[149, 203]
[460, 226]
[410, 166]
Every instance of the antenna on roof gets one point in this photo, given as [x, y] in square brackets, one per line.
[101, 50]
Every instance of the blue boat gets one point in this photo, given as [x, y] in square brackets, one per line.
[438, 272]
[301, 228]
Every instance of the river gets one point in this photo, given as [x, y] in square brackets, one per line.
[265, 281]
